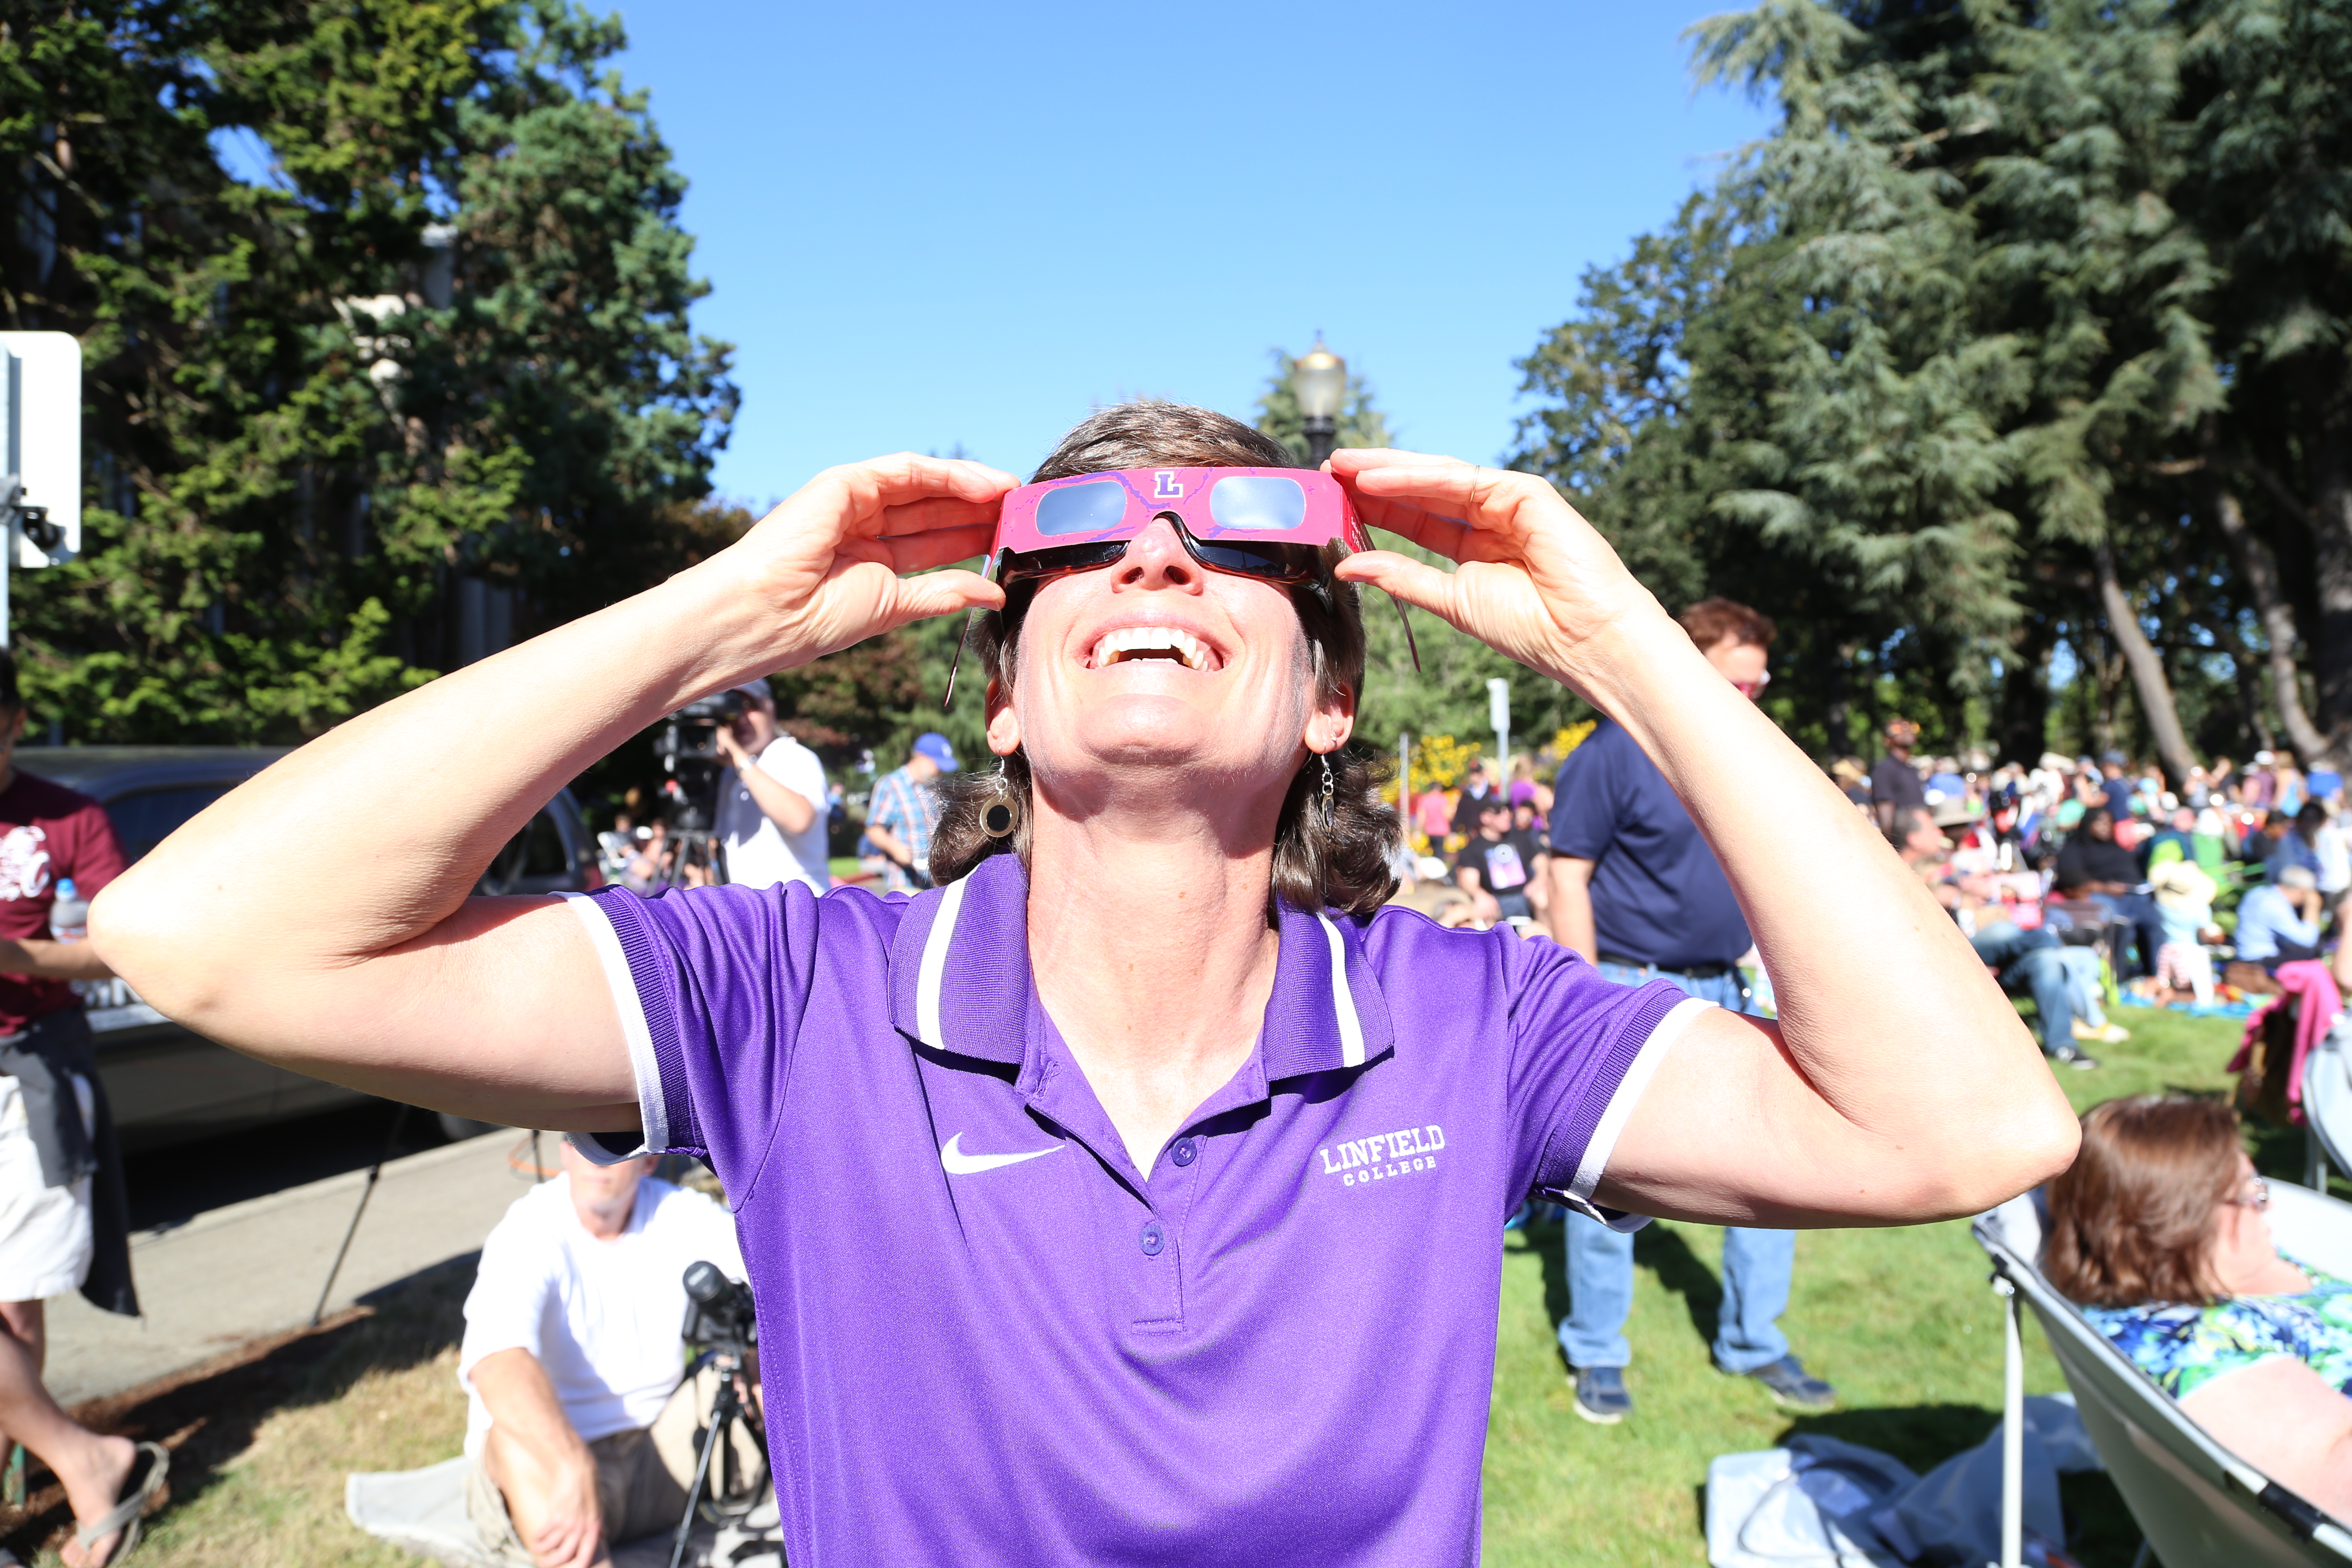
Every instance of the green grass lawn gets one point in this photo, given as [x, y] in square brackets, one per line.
[1901, 1320]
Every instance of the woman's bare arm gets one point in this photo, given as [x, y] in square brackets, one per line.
[369, 965]
[2281, 1417]
[1899, 1084]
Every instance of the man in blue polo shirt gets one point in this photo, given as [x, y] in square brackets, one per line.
[1636, 890]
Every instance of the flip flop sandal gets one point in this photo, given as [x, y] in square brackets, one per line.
[131, 1511]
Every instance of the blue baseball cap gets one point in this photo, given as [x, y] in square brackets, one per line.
[934, 745]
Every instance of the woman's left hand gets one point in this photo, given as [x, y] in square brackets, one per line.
[1534, 580]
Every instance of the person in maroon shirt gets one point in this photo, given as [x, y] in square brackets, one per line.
[64, 1213]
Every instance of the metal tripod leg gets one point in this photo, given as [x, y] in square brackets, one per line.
[390, 1143]
[722, 1415]
[2013, 1427]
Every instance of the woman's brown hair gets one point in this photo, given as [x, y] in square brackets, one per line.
[2131, 1222]
[1338, 860]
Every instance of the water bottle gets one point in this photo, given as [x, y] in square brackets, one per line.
[69, 913]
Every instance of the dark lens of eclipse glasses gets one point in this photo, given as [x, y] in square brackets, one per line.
[1262, 559]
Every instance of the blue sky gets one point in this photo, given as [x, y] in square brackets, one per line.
[930, 225]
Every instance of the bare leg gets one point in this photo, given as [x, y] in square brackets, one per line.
[92, 1467]
[29, 1321]
[531, 1485]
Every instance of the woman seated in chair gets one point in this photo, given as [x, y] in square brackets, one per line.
[2158, 1231]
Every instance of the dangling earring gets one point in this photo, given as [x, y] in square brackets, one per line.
[1327, 786]
[1001, 815]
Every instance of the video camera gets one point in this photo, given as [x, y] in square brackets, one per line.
[720, 1314]
[691, 734]
[688, 744]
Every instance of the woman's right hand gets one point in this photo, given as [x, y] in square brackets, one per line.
[830, 565]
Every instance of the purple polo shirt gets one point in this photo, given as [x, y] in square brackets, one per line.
[987, 1338]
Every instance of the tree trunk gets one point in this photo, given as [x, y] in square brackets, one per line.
[1873, 742]
[2023, 728]
[1837, 714]
[2331, 538]
[2260, 570]
[2149, 684]
[2107, 677]
[2250, 686]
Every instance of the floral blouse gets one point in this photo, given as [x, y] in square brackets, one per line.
[2186, 1347]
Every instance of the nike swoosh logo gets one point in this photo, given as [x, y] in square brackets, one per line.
[957, 1163]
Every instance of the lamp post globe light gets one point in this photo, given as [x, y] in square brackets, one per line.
[1320, 381]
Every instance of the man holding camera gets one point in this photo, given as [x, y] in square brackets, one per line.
[580, 1432]
[772, 806]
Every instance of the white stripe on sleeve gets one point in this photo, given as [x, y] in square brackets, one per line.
[1605, 1133]
[652, 1111]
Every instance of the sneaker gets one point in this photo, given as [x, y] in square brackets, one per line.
[1790, 1385]
[2104, 1033]
[2075, 1056]
[1600, 1396]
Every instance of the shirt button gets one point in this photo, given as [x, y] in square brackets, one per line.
[1185, 1152]
[1154, 1239]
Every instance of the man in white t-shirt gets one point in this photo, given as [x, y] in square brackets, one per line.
[580, 1431]
[772, 806]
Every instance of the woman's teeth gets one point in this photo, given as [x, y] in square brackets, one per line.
[1151, 642]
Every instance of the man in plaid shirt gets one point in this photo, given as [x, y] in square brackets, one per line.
[904, 811]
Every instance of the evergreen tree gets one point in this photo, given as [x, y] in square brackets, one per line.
[426, 386]
[1955, 341]
[2266, 184]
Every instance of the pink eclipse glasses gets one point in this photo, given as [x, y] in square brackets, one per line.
[1278, 525]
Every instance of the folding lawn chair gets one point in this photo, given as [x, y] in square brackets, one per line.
[2327, 1108]
[2195, 1503]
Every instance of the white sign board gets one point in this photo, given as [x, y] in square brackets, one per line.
[41, 431]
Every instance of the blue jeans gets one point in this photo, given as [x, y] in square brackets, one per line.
[2033, 962]
[1757, 1264]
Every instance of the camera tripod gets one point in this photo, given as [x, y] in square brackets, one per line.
[692, 844]
[726, 1411]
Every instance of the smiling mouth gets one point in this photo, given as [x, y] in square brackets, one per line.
[1131, 643]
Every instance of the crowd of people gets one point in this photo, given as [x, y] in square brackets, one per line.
[2072, 877]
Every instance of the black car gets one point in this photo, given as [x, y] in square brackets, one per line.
[168, 1084]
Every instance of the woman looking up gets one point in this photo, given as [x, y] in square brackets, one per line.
[2158, 1231]
[1134, 1194]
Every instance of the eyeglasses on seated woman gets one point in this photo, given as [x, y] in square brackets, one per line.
[2158, 1232]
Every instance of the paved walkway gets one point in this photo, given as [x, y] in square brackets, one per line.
[232, 1273]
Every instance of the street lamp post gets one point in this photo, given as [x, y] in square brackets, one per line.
[1320, 380]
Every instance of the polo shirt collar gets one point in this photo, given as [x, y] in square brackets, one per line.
[960, 982]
